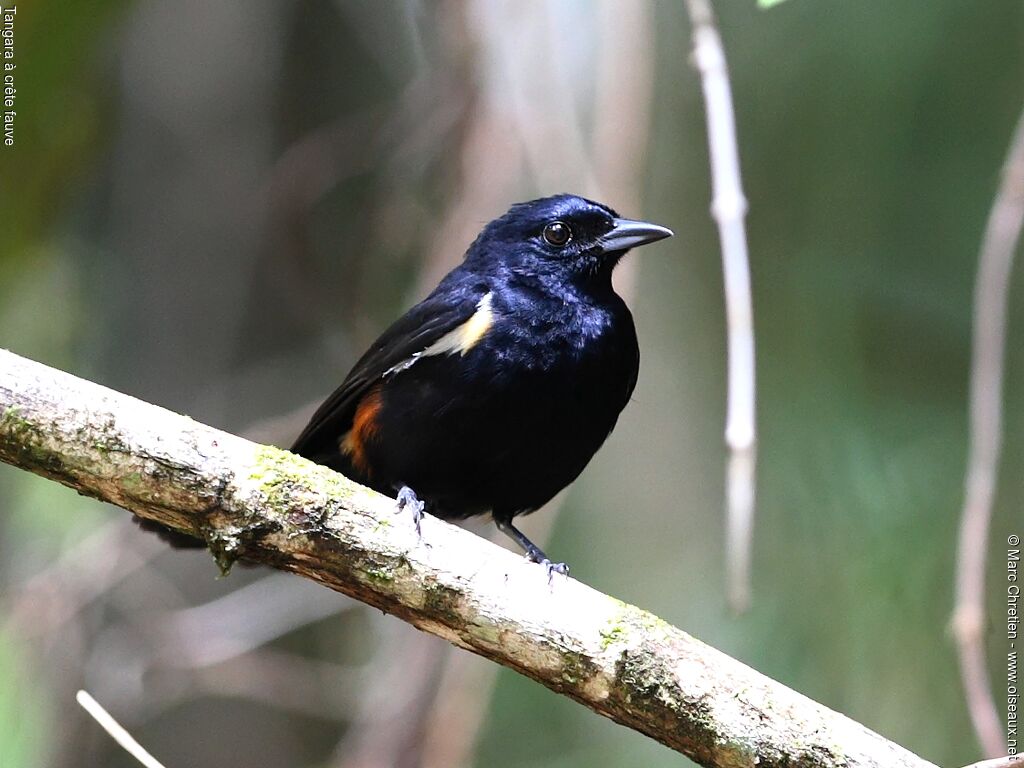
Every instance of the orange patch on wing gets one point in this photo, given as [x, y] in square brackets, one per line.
[364, 426]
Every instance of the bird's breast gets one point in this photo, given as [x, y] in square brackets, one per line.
[560, 332]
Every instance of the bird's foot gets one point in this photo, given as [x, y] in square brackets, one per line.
[533, 553]
[553, 568]
[407, 498]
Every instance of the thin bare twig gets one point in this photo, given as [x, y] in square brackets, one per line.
[117, 733]
[729, 206]
[991, 291]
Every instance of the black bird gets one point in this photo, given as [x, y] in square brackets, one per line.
[493, 393]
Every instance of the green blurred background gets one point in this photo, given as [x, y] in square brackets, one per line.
[216, 205]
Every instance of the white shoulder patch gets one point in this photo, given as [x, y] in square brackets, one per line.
[458, 340]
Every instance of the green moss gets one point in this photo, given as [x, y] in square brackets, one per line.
[275, 471]
[378, 575]
[577, 668]
[27, 441]
[615, 633]
[282, 477]
[631, 622]
[651, 624]
[20, 429]
[571, 671]
[11, 416]
[278, 474]
[271, 462]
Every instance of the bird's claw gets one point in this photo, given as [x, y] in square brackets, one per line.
[553, 568]
[407, 498]
[534, 553]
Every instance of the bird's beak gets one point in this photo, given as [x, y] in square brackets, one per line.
[628, 234]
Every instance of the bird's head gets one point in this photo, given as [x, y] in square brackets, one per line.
[563, 235]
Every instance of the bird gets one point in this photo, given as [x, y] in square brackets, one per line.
[493, 393]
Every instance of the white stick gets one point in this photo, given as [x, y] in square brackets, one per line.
[117, 733]
[729, 206]
[991, 291]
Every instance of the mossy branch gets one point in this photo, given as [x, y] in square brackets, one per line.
[269, 506]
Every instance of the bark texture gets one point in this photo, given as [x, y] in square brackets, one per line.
[266, 505]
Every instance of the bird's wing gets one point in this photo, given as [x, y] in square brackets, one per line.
[439, 324]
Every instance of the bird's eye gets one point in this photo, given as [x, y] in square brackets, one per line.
[557, 233]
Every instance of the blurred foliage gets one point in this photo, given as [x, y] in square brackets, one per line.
[23, 736]
[60, 49]
[216, 206]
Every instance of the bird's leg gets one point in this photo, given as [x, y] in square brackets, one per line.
[407, 498]
[533, 552]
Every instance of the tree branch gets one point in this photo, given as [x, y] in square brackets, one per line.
[269, 506]
[991, 298]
